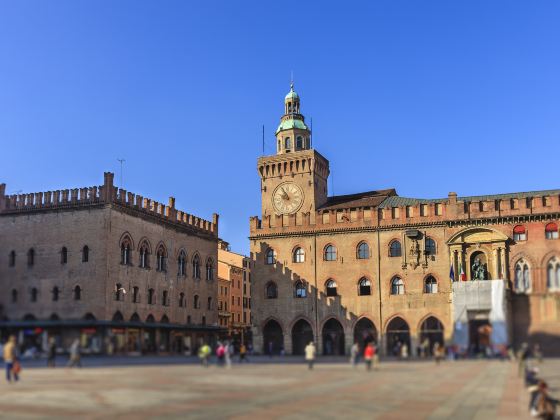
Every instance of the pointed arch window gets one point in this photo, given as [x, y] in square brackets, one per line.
[299, 255]
[270, 257]
[519, 233]
[34, 294]
[135, 295]
[553, 274]
[209, 269]
[397, 286]
[551, 231]
[30, 257]
[196, 267]
[144, 256]
[77, 293]
[364, 287]
[363, 251]
[151, 297]
[125, 251]
[161, 259]
[181, 267]
[64, 255]
[181, 300]
[196, 302]
[395, 249]
[271, 290]
[329, 253]
[12, 259]
[85, 253]
[165, 298]
[119, 292]
[55, 294]
[522, 277]
[430, 285]
[300, 291]
[331, 288]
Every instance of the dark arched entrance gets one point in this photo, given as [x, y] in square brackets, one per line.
[431, 332]
[398, 334]
[302, 335]
[273, 338]
[365, 333]
[333, 338]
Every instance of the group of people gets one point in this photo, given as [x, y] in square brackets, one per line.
[224, 353]
[541, 403]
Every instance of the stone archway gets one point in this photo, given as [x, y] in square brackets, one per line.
[333, 338]
[431, 332]
[273, 338]
[365, 333]
[302, 335]
[398, 334]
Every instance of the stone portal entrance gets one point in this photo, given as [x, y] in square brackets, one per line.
[333, 338]
[302, 335]
[398, 335]
[273, 338]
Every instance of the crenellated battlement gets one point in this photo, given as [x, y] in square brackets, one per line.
[99, 195]
[401, 211]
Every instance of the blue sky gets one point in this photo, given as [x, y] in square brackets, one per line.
[424, 96]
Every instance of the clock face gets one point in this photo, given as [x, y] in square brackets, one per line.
[287, 198]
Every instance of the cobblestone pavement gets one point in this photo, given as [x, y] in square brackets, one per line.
[399, 390]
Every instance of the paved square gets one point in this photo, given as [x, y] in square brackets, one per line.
[399, 390]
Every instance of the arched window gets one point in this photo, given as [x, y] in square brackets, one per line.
[12, 259]
[363, 251]
[55, 293]
[519, 233]
[161, 259]
[395, 249]
[85, 253]
[430, 247]
[551, 231]
[34, 294]
[164, 298]
[553, 274]
[125, 251]
[196, 302]
[135, 295]
[196, 266]
[279, 145]
[329, 254]
[330, 288]
[300, 291]
[209, 269]
[30, 257]
[151, 300]
[181, 300]
[270, 257]
[144, 256]
[209, 307]
[397, 286]
[64, 255]
[119, 292]
[181, 268]
[430, 285]
[14, 295]
[287, 143]
[77, 293]
[364, 287]
[271, 290]
[522, 277]
[299, 255]
[299, 143]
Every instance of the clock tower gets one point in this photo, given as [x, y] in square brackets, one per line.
[294, 181]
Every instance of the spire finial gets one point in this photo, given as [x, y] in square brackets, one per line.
[292, 80]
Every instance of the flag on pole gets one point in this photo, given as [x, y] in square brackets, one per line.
[462, 275]
[452, 274]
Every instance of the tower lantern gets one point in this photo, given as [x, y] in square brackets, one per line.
[292, 134]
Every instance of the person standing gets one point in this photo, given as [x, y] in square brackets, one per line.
[310, 354]
[221, 354]
[438, 353]
[204, 354]
[75, 356]
[51, 353]
[404, 351]
[243, 353]
[228, 352]
[369, 353]
[354, 354]
[10, 359]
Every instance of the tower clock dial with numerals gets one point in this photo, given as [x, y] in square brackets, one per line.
[287, 198]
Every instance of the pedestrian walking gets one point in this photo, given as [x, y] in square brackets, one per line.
[354, 354]
[404, 351]
[10, 359]
[243, 353]
[228, 352]
[310, 354]
[204, 354]
[51, 353]
[522, 357]
[438, 352]
[75, 356]
[221, 354]
[369, 352]
[537, 353]
[375, 356]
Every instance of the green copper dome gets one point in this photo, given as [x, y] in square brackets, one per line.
[291, 123]
[291, 94]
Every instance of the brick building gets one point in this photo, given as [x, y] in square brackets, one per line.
[378, 266]
[122, 272]
[234, 275]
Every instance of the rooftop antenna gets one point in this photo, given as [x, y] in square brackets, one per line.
[311, 135]
[263, 139]
[121, 162]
